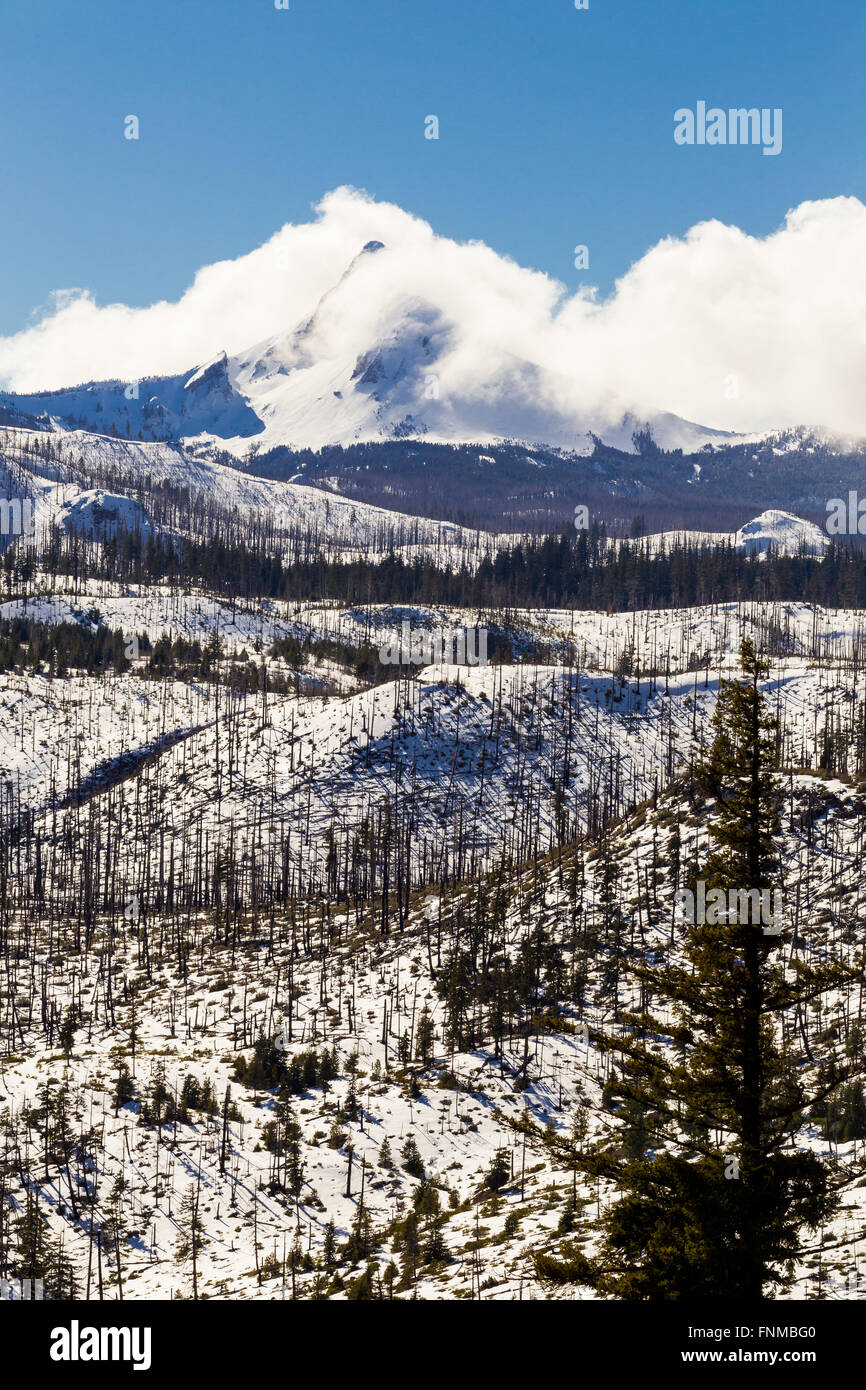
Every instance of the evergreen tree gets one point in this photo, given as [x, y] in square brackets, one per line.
[412, 1160]
[424, 1037]
[364, 1287]
[409, 1243]
[329, 1246]
[124, 1087]
[68, 1028]
[191, 1237]
[499, 1171]
[712, 1197]
[435, 1249]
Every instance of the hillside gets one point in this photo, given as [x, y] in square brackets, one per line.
[163, 1002]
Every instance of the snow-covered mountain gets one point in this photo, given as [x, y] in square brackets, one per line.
[783, 532]
[333, 380]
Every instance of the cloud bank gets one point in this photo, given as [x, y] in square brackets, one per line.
[733, 331]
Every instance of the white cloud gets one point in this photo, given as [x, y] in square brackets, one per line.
[730, 330]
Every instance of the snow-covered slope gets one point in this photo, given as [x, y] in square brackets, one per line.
[784, 532]
[200, 400]
[157, 1017]
[83, 485]
[463, 749]
[132, 777]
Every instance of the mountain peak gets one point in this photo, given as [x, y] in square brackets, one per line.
[214, 370]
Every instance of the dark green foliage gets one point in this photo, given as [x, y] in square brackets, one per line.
[197, 1095]
[270, 1067]
[843, 1113]
[424, 1035]
[407, 1242]
[60, 647]
[511, 1225]
[160, 1105]
[365, 1287]
[329, 1246]
[179, 658]
[572, 1268]
[426, 1199]
[124, 1087]
[362, 660]
[362, 1239]
[513, 990]
[351, 1109]
[68, 1028]
[435, 1250]
[499, 1172]
[33, 1253]
[412, 1161]
[686, 1230]
[566, 1222]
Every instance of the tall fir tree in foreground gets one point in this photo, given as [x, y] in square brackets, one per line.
[712, 1197]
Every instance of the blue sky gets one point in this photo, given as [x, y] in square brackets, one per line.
[556, 127]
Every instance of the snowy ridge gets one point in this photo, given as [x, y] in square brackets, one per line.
[336, 525]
